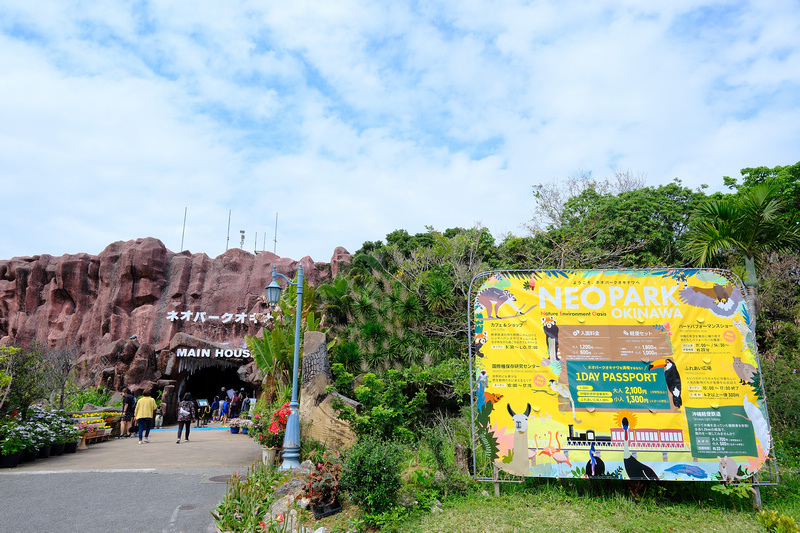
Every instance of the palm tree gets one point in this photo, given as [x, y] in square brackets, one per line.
[750, 225]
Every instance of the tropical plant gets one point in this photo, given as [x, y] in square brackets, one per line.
[273, 350]
[405, 303]
[749, 226]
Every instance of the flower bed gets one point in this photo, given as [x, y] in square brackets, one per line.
[42, 429]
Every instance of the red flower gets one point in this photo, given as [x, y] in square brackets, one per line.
[280, 517]
[263, 525]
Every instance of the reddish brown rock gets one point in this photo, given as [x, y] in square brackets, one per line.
[117, 305]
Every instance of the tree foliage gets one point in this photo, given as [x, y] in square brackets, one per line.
[744, 227]
[637, 227]
[273, 350]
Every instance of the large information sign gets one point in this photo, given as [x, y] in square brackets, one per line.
[631, 374]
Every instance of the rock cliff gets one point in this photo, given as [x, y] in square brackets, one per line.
[124, 306]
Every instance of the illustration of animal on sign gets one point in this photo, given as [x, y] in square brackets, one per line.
[559, 456]
[551, 331]
[480, 340]
[519, 463]
[760, 425]
[744, 371]
[492, 299]
[744, 331]
[549, 450]
[722, 300]
[728, 469]
[492, 397]
[594, 466]
[563, 391]
[672, 377]
[633, 467]
[689, 470]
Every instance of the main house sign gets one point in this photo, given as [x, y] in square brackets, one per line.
[217, 353]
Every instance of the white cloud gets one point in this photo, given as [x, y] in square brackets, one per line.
[353, 119]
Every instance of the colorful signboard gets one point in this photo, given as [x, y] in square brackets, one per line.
[630, 374]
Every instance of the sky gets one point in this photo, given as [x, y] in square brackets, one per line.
[348, 120]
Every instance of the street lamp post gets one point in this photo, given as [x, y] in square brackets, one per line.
[291, 439]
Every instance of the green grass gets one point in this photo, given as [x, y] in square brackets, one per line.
[587, 506]
[538, 506]
[541, 512]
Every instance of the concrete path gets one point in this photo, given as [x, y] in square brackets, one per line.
[120, 485]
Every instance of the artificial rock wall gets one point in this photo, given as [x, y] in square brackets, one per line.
[116, 306]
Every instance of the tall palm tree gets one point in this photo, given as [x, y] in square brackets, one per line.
[750, 225]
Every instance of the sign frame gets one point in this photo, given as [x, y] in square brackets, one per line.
[626, 373]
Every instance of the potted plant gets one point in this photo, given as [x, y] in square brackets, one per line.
[72, 437]
[245, 425]
[12, 443]
[63, 429]
[234, 424]
[324, 483]
[269, 432]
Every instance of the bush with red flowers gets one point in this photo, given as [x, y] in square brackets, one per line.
[270, 432]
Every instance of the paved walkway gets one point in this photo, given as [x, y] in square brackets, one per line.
[209, 447]
[121, 486]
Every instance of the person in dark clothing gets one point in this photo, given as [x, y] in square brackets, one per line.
[128, 405]
[236, 405]
[186, 414]
[215, 409]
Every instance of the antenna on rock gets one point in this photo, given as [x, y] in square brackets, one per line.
[229, 230]
[185, 211]
[275, 246]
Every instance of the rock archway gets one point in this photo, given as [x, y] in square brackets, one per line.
[202, 367]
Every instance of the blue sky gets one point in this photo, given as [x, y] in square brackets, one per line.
[351, 119]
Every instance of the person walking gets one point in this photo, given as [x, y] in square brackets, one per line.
[144, 415]
[223, 411]
[128, 404]
[186, 415]
[236, 405]
[215, 409]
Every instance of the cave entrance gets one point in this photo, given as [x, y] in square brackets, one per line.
[205, 383]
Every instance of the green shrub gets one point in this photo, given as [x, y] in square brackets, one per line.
[780, 364]
[386, 412]
[778, 523]
[97, 396]
[372, 472]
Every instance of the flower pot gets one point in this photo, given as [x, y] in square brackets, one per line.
[321, 511]
[57, 449]
[234, 430]
[71, 447]
[27, 456]
[244, 431]
[268, 455]
[43, 453]
[10, 460]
